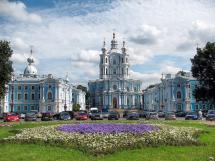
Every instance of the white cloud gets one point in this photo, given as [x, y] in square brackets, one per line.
[145, 35]
[17, 11]
[18, 58]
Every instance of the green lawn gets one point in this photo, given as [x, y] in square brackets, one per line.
[10, 152]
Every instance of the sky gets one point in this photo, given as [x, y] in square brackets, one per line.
[67, 35]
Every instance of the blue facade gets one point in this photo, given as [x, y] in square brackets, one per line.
[174, 94]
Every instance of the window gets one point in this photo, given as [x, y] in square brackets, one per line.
[122, 60]
[25, 108]
[178, 85]
[38, 96]
[19, 96]
[105, 60]
[102, 60]
[128, 89]
[114, 87]
[32, 87]
[179, 95]
[32, 96]
[126, 60]
[50, 86]
[18, 108]
[114, 71]
[114, 61]
[135, 89]
[33, 108]
[49, 108]
[49, 95]
[127, 71]
[26, 96]
[26, 87]
[106, 71]
[19, 87]
[11, 96]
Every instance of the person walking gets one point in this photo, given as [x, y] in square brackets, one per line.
[200, 114]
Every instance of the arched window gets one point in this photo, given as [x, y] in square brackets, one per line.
[105, 60]
[127, 71]
[122, 71]
[49, 95]
[106, 71]
[122, 60]
[179, 95]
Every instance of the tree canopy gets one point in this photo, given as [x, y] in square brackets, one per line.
[203, 69]
[5, 65]
[76, 107]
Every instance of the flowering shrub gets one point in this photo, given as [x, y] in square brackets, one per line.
[99, 141]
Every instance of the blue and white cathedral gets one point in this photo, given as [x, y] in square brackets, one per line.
[114, 89]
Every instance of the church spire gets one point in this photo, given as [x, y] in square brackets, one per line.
[123, 47]
[114, 42]
[104, 49]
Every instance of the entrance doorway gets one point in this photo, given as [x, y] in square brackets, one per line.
[114, 102]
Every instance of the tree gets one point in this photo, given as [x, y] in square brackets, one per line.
[76, 107]
[5, 66]
[203, 69]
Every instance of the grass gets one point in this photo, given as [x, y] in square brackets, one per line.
[12, 152]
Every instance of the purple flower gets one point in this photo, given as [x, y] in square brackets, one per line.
[108, 128]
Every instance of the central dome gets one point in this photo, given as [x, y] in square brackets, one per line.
[30, 70]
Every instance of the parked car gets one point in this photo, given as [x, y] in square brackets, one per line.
[1, 116]
[204, 113]
[81, 116]
[161, 114]
[191, 116]
[11, 117]
[105, 114]
[47, 116]
[39, 115]
[93, 110]
[180, 114]
[152, 116]
[97, 116]
[211, 115]
[142, 113]
[113, 115]
[132, 116]
[64, 115]
[170, 116]
[125, 113]
[30, 116]
[22, 115]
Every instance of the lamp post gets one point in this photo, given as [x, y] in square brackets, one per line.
[12, 87]
[65, 106]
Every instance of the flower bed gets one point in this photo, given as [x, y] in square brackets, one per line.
[104, 141]
[108, 128]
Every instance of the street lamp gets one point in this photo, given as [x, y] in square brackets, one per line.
[65, 106]
[12, 87]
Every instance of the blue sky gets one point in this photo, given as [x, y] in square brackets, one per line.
[67, 35]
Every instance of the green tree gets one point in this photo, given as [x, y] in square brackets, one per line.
[203, 69]
[5, 66]
[76, 107]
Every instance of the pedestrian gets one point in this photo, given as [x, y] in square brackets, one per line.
[200, 114]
